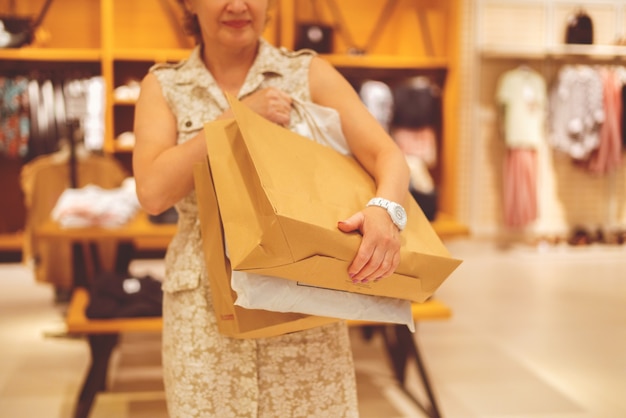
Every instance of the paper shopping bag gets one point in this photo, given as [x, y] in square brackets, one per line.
[232, 320]
[280, 197]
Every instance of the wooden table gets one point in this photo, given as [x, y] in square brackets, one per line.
[139, 228]
[102, 335]
[136, 235]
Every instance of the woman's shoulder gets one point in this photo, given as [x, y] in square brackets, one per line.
[189, 62]
[281, 54]
[290, 53]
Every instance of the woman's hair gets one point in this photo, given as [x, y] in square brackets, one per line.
[192, 26]
[190, 23]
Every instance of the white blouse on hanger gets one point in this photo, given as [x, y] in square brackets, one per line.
[522, 92]
[577, 111]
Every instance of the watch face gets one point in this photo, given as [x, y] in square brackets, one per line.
[399, 213]
[399, 216]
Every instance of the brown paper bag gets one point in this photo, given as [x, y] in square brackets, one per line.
[280, 197]
[232, 320]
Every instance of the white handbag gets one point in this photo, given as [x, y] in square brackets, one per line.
[321, 124]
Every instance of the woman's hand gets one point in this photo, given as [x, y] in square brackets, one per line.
[379, 253]
[271, 103]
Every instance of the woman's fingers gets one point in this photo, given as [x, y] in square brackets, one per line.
[379, 252]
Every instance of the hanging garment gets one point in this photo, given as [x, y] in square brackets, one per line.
[418, 142]
[576, 111]
[14, 116]
[522, 94]
[94, 118]
[417, 104]
[47, 122]
[624, 115]
[45, 116]
[520, 187]
[59, 111]
[414, 125]
[608, 156]
[378, 98]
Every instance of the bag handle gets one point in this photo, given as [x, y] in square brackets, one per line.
[302, 110]
[42, 14]
[323, 124]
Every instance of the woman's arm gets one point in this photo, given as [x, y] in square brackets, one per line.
[163, 170]
[378, 255]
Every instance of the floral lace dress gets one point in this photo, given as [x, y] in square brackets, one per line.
[303, 374]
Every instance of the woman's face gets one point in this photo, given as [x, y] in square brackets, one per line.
[230, 23]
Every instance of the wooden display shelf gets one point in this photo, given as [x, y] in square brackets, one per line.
[123, 149]
[149, 54]
[389, 62]
[595, 52]
[124, 102]
[110, 40]
[447, 226]
[139, 227]
[52, 54]
[11, 241]
[103, 336]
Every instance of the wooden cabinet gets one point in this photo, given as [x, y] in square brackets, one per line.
[121, 39]
[402, 39]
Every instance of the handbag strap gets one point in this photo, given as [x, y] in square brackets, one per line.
[41, 15]
[302, 110]
[323, 131]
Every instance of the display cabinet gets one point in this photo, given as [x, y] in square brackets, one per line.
[121, 39]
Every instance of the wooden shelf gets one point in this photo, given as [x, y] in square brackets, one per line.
[152, 55]
[124, 102]
[447, 226]
[596, 52]
[106, 37]
[122, 149]
[11, 242]
[385, 62]
[52, 54]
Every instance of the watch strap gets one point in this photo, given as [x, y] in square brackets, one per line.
[399, 220]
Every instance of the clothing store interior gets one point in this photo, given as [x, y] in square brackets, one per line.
[511, 115]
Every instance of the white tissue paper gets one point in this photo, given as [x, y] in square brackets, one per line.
[256, 291]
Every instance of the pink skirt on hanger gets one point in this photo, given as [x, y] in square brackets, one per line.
[608, 156]
[520, 187]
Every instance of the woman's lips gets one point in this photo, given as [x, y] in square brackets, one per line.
[237, 24]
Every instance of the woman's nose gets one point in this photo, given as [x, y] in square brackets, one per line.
[237, 6]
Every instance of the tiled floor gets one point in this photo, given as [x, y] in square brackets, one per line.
[535, 333]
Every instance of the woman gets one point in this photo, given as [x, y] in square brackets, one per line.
[308, 373]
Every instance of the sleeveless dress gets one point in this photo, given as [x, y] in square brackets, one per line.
[302, 374]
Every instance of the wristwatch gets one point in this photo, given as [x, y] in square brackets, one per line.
[395, 210]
